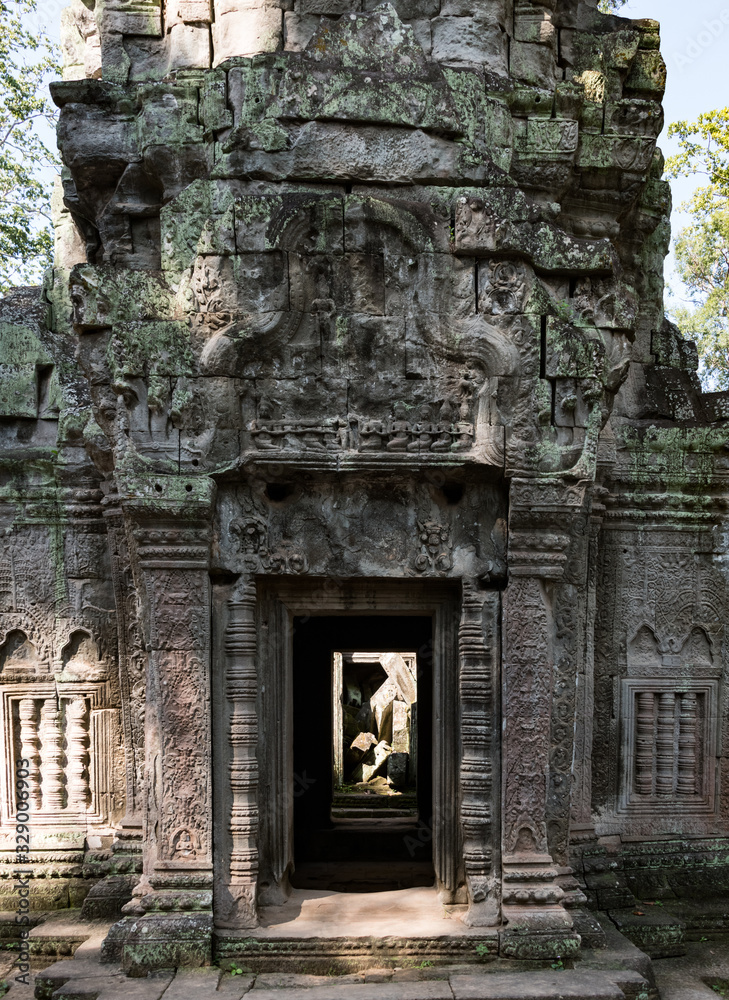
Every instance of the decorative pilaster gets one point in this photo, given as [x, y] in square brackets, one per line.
[241, 689]
[479, 610]
[132, 659]
[541, 515]
[168, 532]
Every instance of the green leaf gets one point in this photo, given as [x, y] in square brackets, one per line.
[702, 247]
[28, 60]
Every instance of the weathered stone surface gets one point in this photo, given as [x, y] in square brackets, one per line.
[356, 314]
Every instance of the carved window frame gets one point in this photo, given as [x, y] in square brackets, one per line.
[98, 697]
[631, 803]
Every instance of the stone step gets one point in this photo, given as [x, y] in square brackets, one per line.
[88, 980]
[658, 933]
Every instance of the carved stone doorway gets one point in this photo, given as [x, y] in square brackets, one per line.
[374, 831]
[254, 622]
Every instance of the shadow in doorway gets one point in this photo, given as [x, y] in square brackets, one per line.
[359, 824]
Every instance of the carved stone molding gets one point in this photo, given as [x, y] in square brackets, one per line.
[236, 888]
[478, 649]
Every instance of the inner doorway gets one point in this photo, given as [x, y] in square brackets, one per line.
[362, 742]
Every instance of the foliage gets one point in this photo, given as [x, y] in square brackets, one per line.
[610, 6]
[702, 247]
[27, 59]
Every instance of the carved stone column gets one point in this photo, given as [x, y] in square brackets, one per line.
[168, 529]
[236, 895]
[542, 514]
[476, 638]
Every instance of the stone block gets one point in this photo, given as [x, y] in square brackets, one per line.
[370, 95]
[223, 7]
[189, 46]
[471, 41]
[532, 64]
[499, 10]
[298, 30]
[144, 18]
[423, 34]
[327, 8]
[305, 223]
[542, 985]
[358, 345]
[409, 9]
[199, 222]
[395, 226]
[658, 934]
[400, 728]
[188, 984]
[18, 391]
[350, 283]
[188, 12]
[535, 26]
[342, 153]
[105, 899]
[261, 281]
[647, 76]
[397, 769]
[380, 755]
[80, 43]
[247, 33]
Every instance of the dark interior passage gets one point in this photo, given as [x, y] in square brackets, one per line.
[368, 848]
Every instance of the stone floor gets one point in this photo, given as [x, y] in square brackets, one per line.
[701, 974]
[318, 913]
[619, 972]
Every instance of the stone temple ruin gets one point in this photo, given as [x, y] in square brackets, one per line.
[354, 347]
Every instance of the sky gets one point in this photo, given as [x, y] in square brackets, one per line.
[695, 46]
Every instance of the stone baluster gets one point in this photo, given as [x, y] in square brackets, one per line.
[240, 658]
[77, 754]
[665, 751]
[30, 747]
[644, 743]
[687, 746]
[476, 690]
[52, 757]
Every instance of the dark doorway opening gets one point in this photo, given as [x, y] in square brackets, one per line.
[374, 834]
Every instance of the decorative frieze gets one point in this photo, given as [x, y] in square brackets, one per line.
[426, 431]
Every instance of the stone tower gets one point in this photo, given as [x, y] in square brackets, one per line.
[357, 314]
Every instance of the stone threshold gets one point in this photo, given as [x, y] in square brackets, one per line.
[350, 931]
[618, 972]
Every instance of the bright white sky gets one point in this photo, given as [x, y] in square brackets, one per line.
[694, 43]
